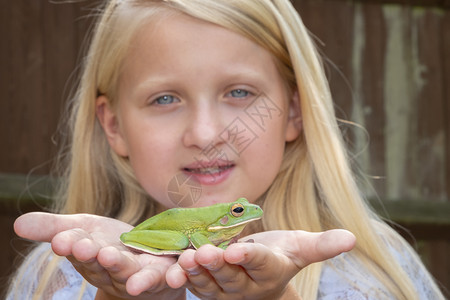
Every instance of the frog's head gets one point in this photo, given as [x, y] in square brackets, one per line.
[237, 214]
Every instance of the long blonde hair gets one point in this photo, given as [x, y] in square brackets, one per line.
[315, 189]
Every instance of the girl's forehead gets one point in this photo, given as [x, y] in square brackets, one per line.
[141, 25]
[168, 33]
[159, 15]
[187, 44]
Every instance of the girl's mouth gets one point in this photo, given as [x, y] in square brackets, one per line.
[208, 170]
[209, 173]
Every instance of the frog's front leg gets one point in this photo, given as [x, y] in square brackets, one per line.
[156, 241]
[198, 239]
[224, 245]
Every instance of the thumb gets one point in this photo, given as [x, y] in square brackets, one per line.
[42, 227]
[316, 247]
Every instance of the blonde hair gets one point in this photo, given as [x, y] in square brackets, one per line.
[315, 189]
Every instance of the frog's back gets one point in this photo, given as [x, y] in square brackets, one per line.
[180, 219]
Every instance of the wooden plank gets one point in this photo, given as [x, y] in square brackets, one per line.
[430, 145]
[60, 60]
[35, 189]
[410, 153]
[42, 50]
[5, 78]
[445, 58]
[417, 213]
[12, 247]
[425, 3]
[321, 18]
[371, 74]
[400, 103]
[344, 54]
[436, 258]
[21, 70]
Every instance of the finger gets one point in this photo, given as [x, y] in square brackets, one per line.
[316, 247]
[79, 249]
[334, 242]
[256, 259]
[304, 248]
[151, 278]
[91, 269]
[152, 275]
[119, 265]
[176, 277]
[40, 226]
[43, 227]
[86, 250]
[199, 277]
[63, 242]
[229, 277]
[269, 270]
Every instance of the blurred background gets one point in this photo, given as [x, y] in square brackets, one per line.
[388, 63]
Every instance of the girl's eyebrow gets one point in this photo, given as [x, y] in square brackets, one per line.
[249, 75]
[155, 80]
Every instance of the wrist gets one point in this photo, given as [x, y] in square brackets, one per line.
[101, 295]
[290, 293]
[180, 295]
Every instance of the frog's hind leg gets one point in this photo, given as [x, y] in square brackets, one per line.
[156, 241]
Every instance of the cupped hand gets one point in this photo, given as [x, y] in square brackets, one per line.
[91, 243]
[261, 269]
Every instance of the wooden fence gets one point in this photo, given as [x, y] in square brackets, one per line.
[388, 63]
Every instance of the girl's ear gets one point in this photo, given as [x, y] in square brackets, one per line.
[108, 119]
[294, 125]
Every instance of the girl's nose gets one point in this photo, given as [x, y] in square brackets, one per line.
[203, 127]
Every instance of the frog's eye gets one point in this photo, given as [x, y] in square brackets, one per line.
[237, 210]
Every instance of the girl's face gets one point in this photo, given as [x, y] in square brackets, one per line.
[203, 114]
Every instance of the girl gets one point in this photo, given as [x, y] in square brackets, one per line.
[231, 97]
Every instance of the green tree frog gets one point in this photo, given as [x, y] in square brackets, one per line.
[176, 229]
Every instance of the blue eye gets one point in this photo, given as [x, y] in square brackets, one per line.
[165, 100]
[238, 93]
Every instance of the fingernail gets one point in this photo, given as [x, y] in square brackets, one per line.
[211, 266]
[193, 271]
